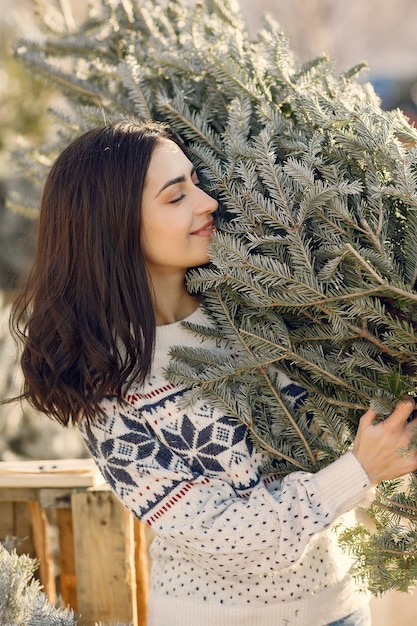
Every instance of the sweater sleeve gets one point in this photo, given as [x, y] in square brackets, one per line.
[202, 517]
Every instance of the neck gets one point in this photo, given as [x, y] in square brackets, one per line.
[172, 302]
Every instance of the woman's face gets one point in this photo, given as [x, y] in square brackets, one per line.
[176, 217]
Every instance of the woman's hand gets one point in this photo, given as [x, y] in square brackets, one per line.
[383, 448]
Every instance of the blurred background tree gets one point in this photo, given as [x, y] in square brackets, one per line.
[24, 120]
[380, 32]
[23, 103]
[23, 98]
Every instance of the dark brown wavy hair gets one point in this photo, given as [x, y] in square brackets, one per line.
[85, 319]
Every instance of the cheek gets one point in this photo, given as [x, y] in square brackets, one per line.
[152, 230]
[161, 240]
[169, 228]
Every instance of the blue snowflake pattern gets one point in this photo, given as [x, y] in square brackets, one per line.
[207, 450]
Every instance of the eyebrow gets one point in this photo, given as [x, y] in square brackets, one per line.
[174, 181]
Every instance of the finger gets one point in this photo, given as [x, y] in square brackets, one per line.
[403, 409]
[367, 418]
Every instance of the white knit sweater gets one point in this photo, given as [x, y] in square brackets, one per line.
[232, 547]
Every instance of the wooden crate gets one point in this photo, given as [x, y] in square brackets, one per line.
[92, 552]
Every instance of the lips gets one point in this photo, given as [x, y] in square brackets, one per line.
[207, 229]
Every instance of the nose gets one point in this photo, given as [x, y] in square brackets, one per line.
[207, 204]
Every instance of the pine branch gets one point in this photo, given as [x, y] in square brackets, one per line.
[21, 599]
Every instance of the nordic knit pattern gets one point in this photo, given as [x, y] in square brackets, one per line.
[232, 547]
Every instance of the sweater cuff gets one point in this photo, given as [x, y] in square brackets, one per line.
[343, 483]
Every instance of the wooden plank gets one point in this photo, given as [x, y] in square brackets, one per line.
[16, 522]
[41, 540]
[48, 498]
[21, 494]
[104, 558]
[7, 518]
[54, 474]
[142, 571]
[67, 577]
[23, 529]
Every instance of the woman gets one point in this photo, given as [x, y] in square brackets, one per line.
[122, 218]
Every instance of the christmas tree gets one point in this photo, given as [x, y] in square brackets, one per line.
[314, 263]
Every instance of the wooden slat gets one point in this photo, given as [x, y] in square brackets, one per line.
[104, 558]
[54, 474]
[41, 540]
[142, 571]
[11, 494]
[16, 522]
[7, 517]
[67, 577]
[23, 529]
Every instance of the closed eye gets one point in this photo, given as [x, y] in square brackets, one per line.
[178, 199]
[196, 182]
